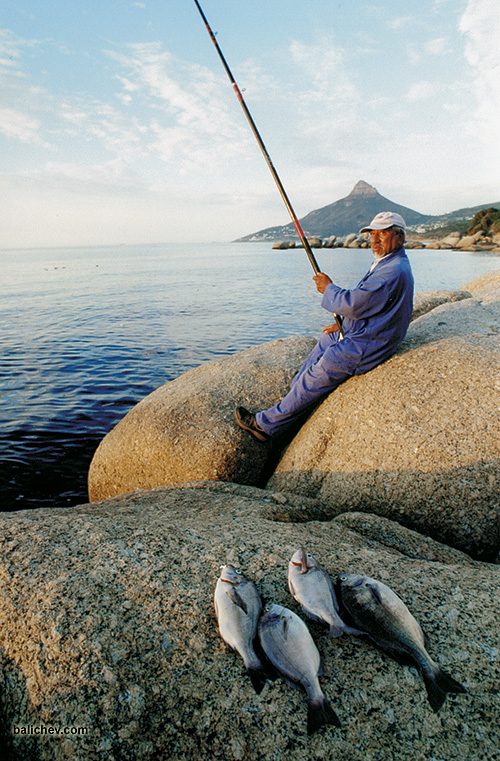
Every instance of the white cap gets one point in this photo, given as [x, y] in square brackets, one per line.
[384, 220]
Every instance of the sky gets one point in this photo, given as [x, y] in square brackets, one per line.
[118, 124]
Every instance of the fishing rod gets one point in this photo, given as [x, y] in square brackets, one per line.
[266, 155]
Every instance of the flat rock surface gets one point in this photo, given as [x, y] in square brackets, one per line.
[107, 624]
[417, 439]
[185, 430]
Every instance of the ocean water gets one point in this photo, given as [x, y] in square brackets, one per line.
[86, 333]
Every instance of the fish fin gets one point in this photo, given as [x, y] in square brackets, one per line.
[294, 685]
[320, 713]
[333, 591]
[401, 657]
[336, 630]
[349, 625]
[285, 627]
[438, 683]
[303, 561]
[310, 615]
[271, 672]
[292, 590]
[236, 598]
[375, 593]
[342, 610]
[258, 677]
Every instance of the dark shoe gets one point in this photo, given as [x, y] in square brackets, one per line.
[246, 421]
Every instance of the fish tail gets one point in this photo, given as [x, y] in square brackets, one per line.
[258, 677]
[438, 683]
[320, 713]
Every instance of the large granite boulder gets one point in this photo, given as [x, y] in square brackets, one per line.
[418, 438]
[451, 240]
[425, 301]
[185, 431]
[485, 288]
[468, 241]
[110, 650]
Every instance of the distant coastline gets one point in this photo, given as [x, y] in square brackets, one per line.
[347, 215]
[470, 241]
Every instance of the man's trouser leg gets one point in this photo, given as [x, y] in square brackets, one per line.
[308, 386]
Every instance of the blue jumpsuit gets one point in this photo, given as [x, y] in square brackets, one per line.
[376, 315]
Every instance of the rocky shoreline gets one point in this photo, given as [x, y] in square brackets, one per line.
[479, 241]
[108, 634]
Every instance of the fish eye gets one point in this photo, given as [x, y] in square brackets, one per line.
[343, 577]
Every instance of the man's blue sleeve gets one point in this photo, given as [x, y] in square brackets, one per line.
[364, 301]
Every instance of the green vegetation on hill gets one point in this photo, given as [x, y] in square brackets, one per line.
[487, 221]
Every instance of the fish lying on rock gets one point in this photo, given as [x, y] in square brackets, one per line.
[237, 607]
[313, 588]
[382, 615]
[288, 645]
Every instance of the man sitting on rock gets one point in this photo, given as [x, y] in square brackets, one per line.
[375, 317]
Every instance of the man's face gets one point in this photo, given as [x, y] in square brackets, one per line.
[384, 242]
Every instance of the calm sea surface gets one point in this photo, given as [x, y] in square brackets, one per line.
[86, 333]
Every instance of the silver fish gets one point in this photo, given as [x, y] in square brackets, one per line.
[289, 646]
[237, 607]
[313, 588]
[381, 614]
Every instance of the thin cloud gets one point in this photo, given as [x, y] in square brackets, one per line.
[187, 102]
[11, 51]
[19, 117]
[89, 178]
[423, 90]
[400, 22]
[480, 25]
[437, 46]
[324, 65]
[418, 53]
[18, 125]
[329, 114]
[164, 111]
[414, 53]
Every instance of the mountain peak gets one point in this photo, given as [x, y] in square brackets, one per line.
[350, 213]
[363, 190]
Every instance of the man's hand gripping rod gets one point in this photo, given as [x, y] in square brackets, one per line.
[274, 173]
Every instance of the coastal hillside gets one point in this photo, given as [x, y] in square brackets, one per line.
[364, 201]
[486, 221]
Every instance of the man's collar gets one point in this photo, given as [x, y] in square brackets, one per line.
[378, 259]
